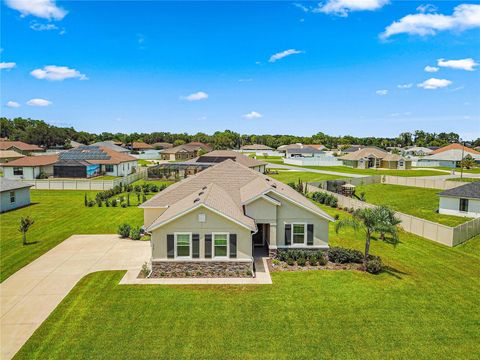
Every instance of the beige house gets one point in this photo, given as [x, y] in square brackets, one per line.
[185, 151]
[218, 218]
[20, 147]
[217, 156]
[373, 157]
[9, 155]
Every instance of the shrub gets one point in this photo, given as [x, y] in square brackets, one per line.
[340, 255]
[301, 261]
[336, 217]
[322, 260]
[290, 261]
[85, 200]
[135, 233]
[99, 202]
[107, 203]
[123, 205]
[91, 203]
[276, 262]
[154, 188]
[282, 255]
[114, 203]
[145, 270]
[374, 264]
[312, 260]
[333, 202]
[137, 188]
[144, 198]
[42, 175]
[124, 230]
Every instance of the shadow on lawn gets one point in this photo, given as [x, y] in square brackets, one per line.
[394, 272]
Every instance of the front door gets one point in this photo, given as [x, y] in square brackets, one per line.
[258, 238]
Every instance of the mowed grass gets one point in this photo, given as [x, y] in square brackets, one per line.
[424, 307]
[464, 179]
[58, 214]
[475, 170]
[419, 202]
[293, 176]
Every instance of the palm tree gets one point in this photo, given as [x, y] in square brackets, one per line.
[368, 220]
[25, 223]
[387, 222]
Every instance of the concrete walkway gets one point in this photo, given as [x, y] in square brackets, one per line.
[298, 168]
[29, 296]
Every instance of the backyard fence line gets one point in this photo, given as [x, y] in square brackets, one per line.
[85, 184]
[442, 234]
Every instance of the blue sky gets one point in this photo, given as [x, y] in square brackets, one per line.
[207, 66]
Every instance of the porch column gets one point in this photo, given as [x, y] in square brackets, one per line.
[272, 247]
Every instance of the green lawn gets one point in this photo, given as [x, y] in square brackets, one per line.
[293, 176]
[424, 307]
[58, 214]
[106, 177]
[270, 159]
[464, 179]
[457, 170]
[419, 202]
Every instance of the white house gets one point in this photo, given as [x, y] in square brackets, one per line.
[448, 156]
[309, 156]
[461, 201]
[30, 167]
[14, 194]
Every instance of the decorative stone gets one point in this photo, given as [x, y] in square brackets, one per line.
[201, 269]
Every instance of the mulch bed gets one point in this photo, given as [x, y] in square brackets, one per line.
[283, 266]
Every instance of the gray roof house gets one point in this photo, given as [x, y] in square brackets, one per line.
[214, 220]
[111, 145]
[14, 194]
[461, 201]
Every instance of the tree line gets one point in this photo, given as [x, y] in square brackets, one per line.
[40, 133]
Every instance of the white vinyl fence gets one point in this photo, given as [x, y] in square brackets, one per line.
[85, 184]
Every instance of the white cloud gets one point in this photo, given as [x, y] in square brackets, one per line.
[465, 16]
[46, 9]
[343, 7]
[427, 8]
[301, 7]
[252, 115]
[431, 69]
[382, 92]
[57, 73]
[405, 86]
[434, 83]
[7, 65]
[42, 27]
[463, 64]
[282, 54]
[38, 102]
[200, 95]
[12, 104]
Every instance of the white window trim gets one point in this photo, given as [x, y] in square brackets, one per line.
[14, 197]
[175, 245]
[304, 234]
[213, 245]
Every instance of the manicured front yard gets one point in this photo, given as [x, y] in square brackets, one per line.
[293, 176]
[58, 214]
[424, 307]
[415, 201]
[464, 179]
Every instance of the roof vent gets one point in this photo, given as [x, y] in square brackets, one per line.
[204, 188]
[274, 186]
[201, 193]
[267, 179]
[196, 200]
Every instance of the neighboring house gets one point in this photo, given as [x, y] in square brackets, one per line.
[9, 155]
[30, 167]
[20, 147]
[461, 201]
[88, 161]
[303, 152]
[309, 156]
[162, 145]
[285, 148]
[448, 156]
[350, 148]
[75, 144]
[373, 157]
[212, 221]
[14, 194]
[141, 146]
[185, 151]
[255, 148]
[111, 145]
[217, 156]
[417, 151]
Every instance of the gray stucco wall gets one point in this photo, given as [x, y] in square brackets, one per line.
[451, 206]
[22, 198]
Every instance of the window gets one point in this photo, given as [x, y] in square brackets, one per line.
[12, 196]
[18, 171]
[220, 245]
[298, 233]
[109, 168]
[183, 245]
[464, 205]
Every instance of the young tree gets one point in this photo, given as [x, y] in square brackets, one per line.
[468, 162]
[25, 224]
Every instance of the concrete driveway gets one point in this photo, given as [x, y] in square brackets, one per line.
[32, 293]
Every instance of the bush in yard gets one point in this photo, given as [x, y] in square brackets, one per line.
[137, 188]
[25, 224]
[144, 198]
[85, 200]
[124, 230]
[290, 261]
[154, 188]
[123, 205]
[312, 260]
[340, 255]
[135, 233]
[107, 203]
[374, 264]
[114, 203]
[282, 255]
[301, 261]
[322, 260]
[333, 202]
[91, 203]
[145, 270]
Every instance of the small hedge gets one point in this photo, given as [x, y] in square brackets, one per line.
[124, 230]
[374, 264]
[324, 198]
[340, 255]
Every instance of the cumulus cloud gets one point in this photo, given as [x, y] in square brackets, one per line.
[38, 102]
[434, 83]
[282, 54]
[57, 73]
[405, 86]
[46, 9]
[200, 95]
[427, 8]
[431, 69]
[463, 64]
[382, 92]
[252, 115]
[7, 65]
[344, 7]
[465, 16]
[42, 27]
[12, 104]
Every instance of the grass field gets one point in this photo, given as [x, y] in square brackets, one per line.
[106, 177]
[293, 176]
[58, 214]
[420, 202]
[424, 307]
[457, 170]
[464, 179]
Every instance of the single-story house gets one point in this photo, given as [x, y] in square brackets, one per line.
[285, 148]
[302, 152]
[88, 161]
[350, 148]
[20, 147]
[141, 146]
[255, 148]
[309, 156]
[185, 151]
[217, 156]
[461, 201]
[214, 220]
[111, 145]
[417, 151]
[373, 157]
[162, 145]
[30, 167]
[14, 194]
[448, 156]
[9, 155]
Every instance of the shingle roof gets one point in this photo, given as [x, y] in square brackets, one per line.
[307, 149]
[217, 156]
[10, 154]
[163, 145]
[111, 145]
[470, 190]
[255, 147]
[7, 144]
[141, 145]
[455, 147]
[365, 152]
[9, 185]
[41, 160]
[190, 147]
[230, 186]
